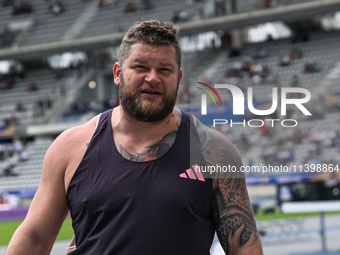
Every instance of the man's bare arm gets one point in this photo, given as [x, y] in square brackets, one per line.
[233, 214]
[49, 207]
[48, 210]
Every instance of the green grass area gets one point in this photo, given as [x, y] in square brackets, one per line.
[66, 231]
[7, 229]
[260, 215]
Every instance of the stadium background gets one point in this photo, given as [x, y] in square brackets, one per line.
[56, 61]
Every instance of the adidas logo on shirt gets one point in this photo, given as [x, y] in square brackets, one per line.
[193, 173]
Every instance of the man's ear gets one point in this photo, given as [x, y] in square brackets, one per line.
[180, 75]
[116, 73]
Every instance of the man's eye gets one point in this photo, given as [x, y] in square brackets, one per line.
[165, 69]
[140, 67]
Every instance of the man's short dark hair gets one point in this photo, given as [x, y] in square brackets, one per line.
[153, 33]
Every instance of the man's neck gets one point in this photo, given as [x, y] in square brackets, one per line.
[141, 141]
[139, 130]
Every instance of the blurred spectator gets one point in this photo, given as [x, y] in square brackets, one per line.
[284, 60]
[261, 53]
[111, 103]
[295, 54]
[11, 121]
[233, 6]
[11, 155]
[14, 158]
[184, 97]
[270, 38]
[20, 7]
[11, 170]
[267, 3]
[228, 39]
[232, 73]
[20, 107]
[295, 82]
[179, 16]
[297, 135]
[205, 79]
[246, 64]
[253, 69]
[256, 79]
[56, 7]
[31, 87]
[7, 38]
[38, 109]
[147, 4]
[94, 106]
[130, 7]
[266, 73]
[312, 68]
[234, 52]
[18, 146]
[175, 16]
[61, 73]
[41, 106]
[103, 3]
[6, 81]
[298, 37]
[9, 72]
[220, 7]
[24, 156]
[59, 89]
[248, 68]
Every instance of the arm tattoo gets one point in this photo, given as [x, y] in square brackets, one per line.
[233, 214]
[152, 152]
[234, 219]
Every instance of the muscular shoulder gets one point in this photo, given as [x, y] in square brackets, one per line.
[76, 136]
[70, 144]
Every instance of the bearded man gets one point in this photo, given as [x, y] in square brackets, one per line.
[130, 176]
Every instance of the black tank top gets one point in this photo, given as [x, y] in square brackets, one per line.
[121, 207]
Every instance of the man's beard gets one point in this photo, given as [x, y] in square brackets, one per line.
[148, 110]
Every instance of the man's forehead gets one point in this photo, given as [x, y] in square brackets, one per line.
[151, 46]
[145, 52]
[146, 61]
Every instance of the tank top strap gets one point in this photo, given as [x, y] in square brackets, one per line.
[104, 122]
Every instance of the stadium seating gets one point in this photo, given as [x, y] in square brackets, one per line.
[30, 171]
[322, 47]
[53, 28]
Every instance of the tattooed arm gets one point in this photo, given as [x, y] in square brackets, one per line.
[233, 214]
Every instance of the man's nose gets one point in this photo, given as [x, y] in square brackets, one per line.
[152, 76]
